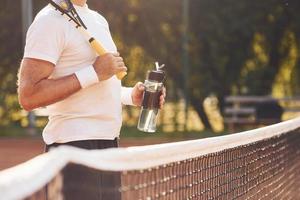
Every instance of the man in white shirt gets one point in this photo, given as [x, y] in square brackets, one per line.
[83, 97]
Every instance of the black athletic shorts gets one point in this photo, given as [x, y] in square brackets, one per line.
[81, 182]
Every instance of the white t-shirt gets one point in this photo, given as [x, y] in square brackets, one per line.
[93, 112]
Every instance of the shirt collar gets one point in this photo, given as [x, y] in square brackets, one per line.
[81, 8]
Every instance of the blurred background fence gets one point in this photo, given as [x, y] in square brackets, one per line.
[212, 49]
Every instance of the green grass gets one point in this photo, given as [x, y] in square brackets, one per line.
[12, 131]
[133, 132]
[17, 131]
[126, 132]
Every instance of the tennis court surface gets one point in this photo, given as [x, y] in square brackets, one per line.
[257, 164]
[14, 151]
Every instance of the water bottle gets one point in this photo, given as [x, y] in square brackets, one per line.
[150, 105]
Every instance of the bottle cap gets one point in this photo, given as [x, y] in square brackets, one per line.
[157, 75]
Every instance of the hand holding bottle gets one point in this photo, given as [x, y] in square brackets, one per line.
[153, 99]
[138, 93]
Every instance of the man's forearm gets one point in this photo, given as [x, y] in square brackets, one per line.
[49, 91]
[36, 89]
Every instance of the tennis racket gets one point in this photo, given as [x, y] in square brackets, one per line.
[66, 8]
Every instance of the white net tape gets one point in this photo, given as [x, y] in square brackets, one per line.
[25, 179]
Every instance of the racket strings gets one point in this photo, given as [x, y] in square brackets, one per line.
[76, 16]
[69, 12]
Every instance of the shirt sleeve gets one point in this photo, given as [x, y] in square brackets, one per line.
[45, 39]
[126, 97]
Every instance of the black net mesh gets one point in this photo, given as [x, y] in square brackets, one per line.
[266, 169]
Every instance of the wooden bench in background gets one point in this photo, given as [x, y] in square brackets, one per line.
[248, 111]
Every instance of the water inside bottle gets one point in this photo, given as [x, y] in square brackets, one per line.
[147, 121]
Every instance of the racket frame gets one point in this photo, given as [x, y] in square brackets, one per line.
[75, 18]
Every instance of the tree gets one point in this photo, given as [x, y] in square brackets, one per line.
[236, 47]
[10, 54]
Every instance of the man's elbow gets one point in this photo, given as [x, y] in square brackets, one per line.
[26, 103]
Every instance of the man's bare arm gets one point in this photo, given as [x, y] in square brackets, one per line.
[37, 90]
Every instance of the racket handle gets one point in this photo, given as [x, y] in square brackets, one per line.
[101, 51]
[121, 75]
[97, 47]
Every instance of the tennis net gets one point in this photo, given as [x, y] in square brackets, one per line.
[257, 164]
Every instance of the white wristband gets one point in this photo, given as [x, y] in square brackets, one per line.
[126, 96]
[87, 76]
